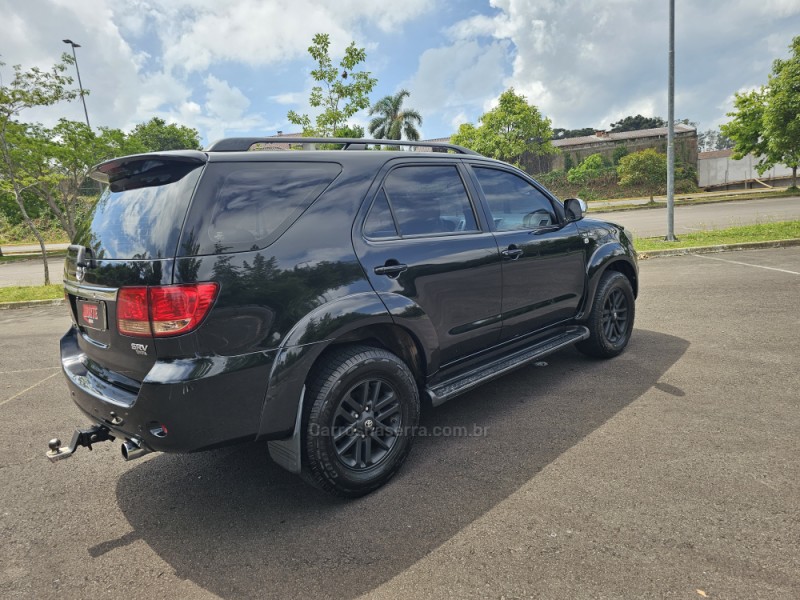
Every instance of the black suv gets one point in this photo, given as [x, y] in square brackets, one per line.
[315, 298]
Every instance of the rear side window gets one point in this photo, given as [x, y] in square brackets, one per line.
[247, 206]
[429, 200]
[140, 217]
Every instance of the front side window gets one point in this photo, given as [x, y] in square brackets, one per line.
[429, 200]
[513, 202]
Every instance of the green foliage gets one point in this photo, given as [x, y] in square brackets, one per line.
[568, 162]
[508, 131]
[392, 122]
[156, 135]
[619, 152]
[562, 134]
[647, 168]
[22, 171]
[589, 169]
[638, 122]
[342, 91]
[350, 131]
[766, 121]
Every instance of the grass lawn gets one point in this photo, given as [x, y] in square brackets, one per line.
[763, 232]
[31, 292]
[689, 199]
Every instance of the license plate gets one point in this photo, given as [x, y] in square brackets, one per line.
[92, 315]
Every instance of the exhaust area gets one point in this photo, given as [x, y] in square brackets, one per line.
[133, 449]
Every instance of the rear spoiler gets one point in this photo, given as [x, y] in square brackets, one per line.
[153, 168]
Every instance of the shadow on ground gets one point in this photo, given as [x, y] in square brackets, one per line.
[240, 527]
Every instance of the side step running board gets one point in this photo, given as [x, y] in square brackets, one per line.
[451, 388]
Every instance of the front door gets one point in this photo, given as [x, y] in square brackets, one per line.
[543, 256]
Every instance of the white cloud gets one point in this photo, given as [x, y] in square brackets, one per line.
[590, 62]
[198, 34]
[289, 97]
[455, 80]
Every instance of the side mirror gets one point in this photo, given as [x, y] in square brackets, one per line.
[575, 209]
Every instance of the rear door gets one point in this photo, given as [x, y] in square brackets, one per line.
[543, 256]
[130, 240]
[423, 239]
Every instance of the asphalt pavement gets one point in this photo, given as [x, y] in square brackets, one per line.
[30, 272]
[668, 472]
[703, 217]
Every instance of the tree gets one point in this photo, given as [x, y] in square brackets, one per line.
[592, 166]
[713, 139]
[73, 151]
[562, 134]
[638, 122]
[28, 89]
[646, 168]
[619, 152]
[156, 135]
[766, 121]
[508, 131]
[342, 91]
[392, 122]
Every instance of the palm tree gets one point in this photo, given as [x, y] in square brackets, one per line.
[392, 122]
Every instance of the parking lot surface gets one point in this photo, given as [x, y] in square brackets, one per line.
[669, 472]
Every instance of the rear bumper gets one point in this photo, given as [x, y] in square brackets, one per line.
[183, 405]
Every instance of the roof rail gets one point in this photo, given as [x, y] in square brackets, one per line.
[243, 144]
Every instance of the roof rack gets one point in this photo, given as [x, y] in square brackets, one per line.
[243, 144]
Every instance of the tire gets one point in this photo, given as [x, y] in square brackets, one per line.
[611, 321]
[362, 408]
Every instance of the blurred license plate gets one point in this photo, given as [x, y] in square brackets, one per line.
[92, 314]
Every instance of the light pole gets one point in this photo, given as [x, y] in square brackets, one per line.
[80, 85]
[671, 128]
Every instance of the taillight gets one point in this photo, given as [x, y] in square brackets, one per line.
[163, 311]
[133, 316]
[178, 309]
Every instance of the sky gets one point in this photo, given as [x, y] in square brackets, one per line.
[236, 67]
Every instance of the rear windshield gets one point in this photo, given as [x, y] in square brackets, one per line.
[134, 223]
[247, 206]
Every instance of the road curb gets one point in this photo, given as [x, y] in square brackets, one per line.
[31, 303]
[718, 248]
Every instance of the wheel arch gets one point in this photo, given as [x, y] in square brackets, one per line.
[608, 257]
[360, 318]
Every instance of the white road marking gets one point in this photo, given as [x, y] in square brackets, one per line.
[736, 262]
[27, 389]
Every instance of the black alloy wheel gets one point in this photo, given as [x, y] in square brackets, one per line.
[367, 423]
[615, 316]
[610, 322]
[361, 408]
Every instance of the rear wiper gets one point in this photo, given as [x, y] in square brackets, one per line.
[81, 259]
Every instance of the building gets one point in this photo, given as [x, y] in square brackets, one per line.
[719, 170]
[574, 150]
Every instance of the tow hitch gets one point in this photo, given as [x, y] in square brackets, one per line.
[81, 437]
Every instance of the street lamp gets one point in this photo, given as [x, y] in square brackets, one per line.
[80, 85]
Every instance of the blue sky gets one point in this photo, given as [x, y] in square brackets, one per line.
[236, 67]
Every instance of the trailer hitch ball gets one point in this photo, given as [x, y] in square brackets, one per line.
[81, 437]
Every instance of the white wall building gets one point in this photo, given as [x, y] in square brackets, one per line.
[719, 169]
